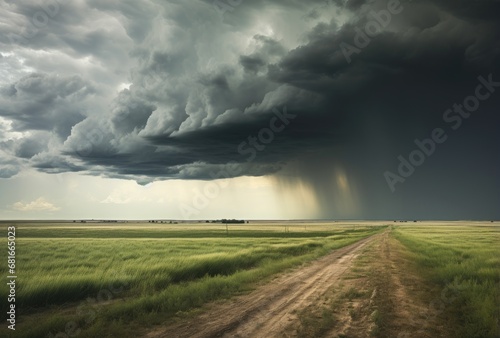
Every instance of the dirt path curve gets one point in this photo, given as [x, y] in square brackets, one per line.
[268, 310]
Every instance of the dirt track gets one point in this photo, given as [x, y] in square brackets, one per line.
[268, 310]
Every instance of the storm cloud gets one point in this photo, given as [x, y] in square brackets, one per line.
[157, 90]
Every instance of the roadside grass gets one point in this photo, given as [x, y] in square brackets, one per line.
[115, 284]
[465, 262]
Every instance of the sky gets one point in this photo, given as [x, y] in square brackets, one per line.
[284, 109]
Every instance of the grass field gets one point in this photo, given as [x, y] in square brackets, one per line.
[119, 280]
[464, 260]
[112, 279]
[424, 279]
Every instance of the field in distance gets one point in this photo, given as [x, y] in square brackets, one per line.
[114, 279]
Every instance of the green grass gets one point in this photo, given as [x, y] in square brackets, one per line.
[353, 293]
[102, 280]
[465, 262]
[317, 327]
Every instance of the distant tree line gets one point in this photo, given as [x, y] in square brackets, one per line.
[228, 221]
[98, 221]
[170, 222]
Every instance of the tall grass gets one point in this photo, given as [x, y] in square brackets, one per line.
[465, 262]
[119, 281]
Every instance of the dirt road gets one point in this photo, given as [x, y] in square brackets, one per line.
[268, 310]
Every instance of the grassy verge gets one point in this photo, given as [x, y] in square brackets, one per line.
[465, 262]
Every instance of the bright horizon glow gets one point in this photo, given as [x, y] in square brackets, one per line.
[73, 196]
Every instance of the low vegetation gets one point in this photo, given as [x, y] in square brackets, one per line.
[465, 262]
[111, 280]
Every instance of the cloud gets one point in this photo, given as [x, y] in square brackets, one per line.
[40, 204]
[7, 171]
[45, 102]
[29, 146]
[203, 82]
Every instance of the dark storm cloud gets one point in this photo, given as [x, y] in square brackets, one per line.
[44, 102]
[201, 81]
[9, 164]
[252, 63]
[74, 28]
[257, 61]
[7, 171]
[54, 164]
[396, 89]
[130, 113]
[480, 10]
[29, 147]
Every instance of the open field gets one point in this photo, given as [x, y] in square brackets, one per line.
[379, 279]
[401, 288]
[465, 263]
[113, 278]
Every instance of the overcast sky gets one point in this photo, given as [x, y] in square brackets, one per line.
[250, 109]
